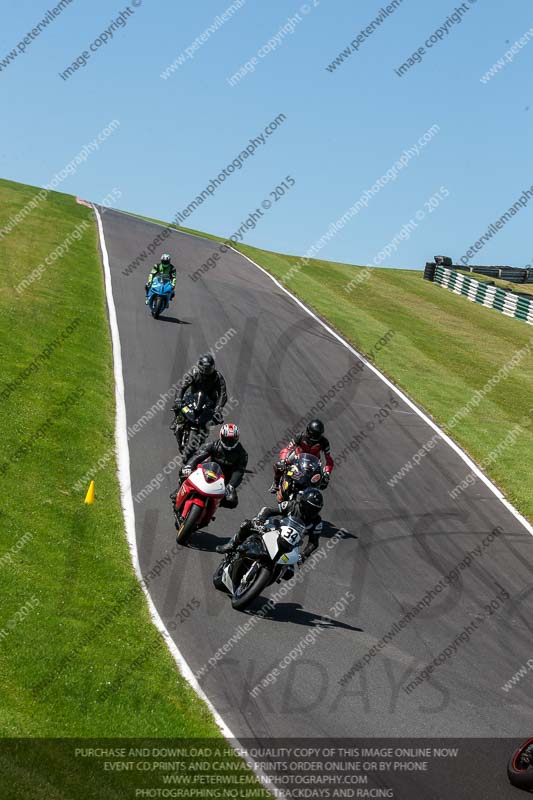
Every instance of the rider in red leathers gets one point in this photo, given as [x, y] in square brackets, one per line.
[313, 441]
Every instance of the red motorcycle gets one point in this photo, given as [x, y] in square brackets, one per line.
[198, 499]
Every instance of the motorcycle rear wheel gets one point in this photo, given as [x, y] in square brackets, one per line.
[260, 582]
[189, 525]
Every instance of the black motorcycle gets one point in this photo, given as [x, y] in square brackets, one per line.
[186, 425]
[520, 766]
[268, 556]
[303, 471]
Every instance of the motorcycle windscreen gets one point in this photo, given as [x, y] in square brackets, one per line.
[208, 479]
[191, 406]
[212, 471]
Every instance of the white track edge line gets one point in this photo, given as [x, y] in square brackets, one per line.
[466, 458]
[126, 497]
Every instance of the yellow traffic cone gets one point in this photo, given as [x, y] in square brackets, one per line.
[89, 497]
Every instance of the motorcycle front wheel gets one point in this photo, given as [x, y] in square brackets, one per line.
[182, 437]
[252, 588]
[217, 577]
[189, 524]
[519, 774]
[158, 306]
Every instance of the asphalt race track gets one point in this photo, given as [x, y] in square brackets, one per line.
[400, 540]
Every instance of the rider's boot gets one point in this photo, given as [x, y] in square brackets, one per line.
[238, 539]
[278, 473]
[229, 547]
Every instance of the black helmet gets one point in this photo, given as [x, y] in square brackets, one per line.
[206, 364]
[315, 430]
[165, 258]
[309, 504]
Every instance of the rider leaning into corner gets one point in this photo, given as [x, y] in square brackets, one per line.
[229, 454]
[306, 508]
[312, 441]
[164, 267]
[203, 377]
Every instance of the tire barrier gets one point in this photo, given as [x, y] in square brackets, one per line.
[518, 306]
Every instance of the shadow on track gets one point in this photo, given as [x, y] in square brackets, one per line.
[201, 540]
[175, 320]
[295, 613]
[329, 530]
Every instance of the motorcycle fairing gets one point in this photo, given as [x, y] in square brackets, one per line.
[205, 480]
[270, 538]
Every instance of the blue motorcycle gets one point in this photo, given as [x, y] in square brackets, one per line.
[159, 295]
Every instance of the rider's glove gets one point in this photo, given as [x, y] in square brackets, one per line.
[259, 520]
[325, 480]
[186, 471]
[301, 559]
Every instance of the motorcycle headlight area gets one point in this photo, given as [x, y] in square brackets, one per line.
[253, 546]
[284, 545]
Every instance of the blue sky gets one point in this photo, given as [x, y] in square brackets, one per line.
[343, 129]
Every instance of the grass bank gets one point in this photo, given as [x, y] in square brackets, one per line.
[79, 655]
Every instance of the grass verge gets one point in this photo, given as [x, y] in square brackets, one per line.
[80, 657]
